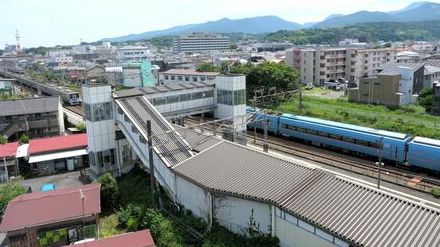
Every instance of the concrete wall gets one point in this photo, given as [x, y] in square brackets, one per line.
[235, 214]
[193, 198]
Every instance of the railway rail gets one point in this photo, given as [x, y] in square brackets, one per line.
[77, 109]
[395, 175]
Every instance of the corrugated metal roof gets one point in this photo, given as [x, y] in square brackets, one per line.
[189, 72]
[197, 141]
[165, 139]
[40, 208]
[357, 213]
[29, 106]
[392, 68]
[237, 170]
[363, 215]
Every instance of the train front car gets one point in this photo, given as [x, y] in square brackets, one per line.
[258, 121]
[424, 153]
[72, 98]
[345, 137]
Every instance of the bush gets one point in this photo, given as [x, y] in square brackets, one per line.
[9, 191]
[130, 215]
[435, 192]
[81, 127]
[24, 139]
[3, 139]
[109, 191]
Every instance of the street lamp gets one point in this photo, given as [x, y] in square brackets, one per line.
[379, 165]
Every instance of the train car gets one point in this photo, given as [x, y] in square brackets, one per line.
[424, 153]
[258, 122]
[67, 96]
[345, 137]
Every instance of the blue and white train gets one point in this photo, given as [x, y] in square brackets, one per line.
[396, 147]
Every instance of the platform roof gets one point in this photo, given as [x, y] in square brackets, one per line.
[357, 213]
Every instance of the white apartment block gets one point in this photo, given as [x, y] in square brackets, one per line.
[197, 42]
[133, 54]
[321, 65]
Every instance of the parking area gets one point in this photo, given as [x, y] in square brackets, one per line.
[64, 180]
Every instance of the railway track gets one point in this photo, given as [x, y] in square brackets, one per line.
[395, 175]
[77, 109]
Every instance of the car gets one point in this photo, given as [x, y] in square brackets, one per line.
[47, 187]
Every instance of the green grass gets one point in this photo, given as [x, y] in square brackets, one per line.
[411, 119]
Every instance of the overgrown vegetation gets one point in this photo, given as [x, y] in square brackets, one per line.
[9, 191]
[388, 31]
[435, 192]
[410, 119]
[134, 211]
[109, 192]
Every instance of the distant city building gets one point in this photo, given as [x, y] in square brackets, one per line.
[408, 57]
[394, 86]
[7, 87]
[132, 54]
[184, 75]
[197, 42]
[113, 75]
[321, 65]
[352, 42]
[35, 117]
[139, 74]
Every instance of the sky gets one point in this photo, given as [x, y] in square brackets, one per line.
[67, 22]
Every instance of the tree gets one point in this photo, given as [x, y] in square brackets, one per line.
[3, 139]
[24, 139]
[426, 99]
[9, 191]
[207, 67]
[267, 74]
[109, 191]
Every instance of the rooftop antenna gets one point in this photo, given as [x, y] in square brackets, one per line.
[17, 38]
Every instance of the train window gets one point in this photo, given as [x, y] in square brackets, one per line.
[348, 139]
[360, 142]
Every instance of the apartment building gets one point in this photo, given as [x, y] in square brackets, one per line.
[132, 54]
[394, 86]
[321, 65]
[35, 117]
[197, 42]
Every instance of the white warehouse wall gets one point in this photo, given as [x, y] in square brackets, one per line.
[235, 214]
[194, 198]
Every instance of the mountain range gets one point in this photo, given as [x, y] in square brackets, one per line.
[419, 11]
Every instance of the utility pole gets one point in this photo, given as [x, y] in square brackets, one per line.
[265, 123]
[300, 99]
[151, 162]
[379, 164]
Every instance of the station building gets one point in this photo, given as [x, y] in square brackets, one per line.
[245, 190]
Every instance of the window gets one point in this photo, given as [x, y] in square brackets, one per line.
[173, 77]
[166, 77]
[179, 78]
[240, 97]
[194, 78]
[186, 78]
